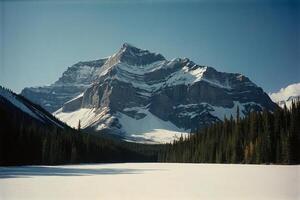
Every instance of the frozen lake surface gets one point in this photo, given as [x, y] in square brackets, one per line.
[138, 181]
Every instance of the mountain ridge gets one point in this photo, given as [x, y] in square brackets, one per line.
[176, 96]
[72, 83]
[11, 101]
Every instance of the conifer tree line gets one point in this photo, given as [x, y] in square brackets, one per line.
[260, 137]
[26, 141]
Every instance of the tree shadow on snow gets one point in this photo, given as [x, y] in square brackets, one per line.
[32, 171]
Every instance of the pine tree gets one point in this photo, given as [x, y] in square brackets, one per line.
[79, 126]
[261, 137]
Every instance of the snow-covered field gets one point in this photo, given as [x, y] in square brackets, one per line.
[150, 181]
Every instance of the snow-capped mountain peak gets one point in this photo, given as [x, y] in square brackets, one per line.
[140, 95]
[285, 96]
[135, 56]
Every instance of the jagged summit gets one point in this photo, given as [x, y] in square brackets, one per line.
[128, 45]
[136, 56]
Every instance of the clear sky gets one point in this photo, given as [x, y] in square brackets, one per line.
[40, 39]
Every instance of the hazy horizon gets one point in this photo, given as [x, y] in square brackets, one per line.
[40, 40]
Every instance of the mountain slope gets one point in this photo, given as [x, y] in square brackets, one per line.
[285, 96]
[73, 82]
[137, 94]
[11, 103]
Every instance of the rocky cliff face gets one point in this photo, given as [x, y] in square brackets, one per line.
[141, 95]
[137, 92]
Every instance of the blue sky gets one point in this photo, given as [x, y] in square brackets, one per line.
[260, 39]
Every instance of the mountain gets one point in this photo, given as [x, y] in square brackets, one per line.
[13, 103]
[143, 96]
[285, 96]
[73, 82]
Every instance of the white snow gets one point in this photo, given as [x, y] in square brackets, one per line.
[150, 127]
[284, 93]
[289, 102]
[186, 76]
[84, 72]
[78, 96]
[87, 116]
[79, 76]
[183, 76]
[217, 111]
[99, 118]
[141, 69]
[156, 136]
[220, 112]
[285, 96]
[149, 181]
[136, 74]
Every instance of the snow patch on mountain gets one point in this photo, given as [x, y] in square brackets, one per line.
[284, 93]
[217, 111]
[222, 112]
[78, 96]
[187, 75]
[285, 96]
[86, 116]
[158, 136]
[149, 127]
[141, 124]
